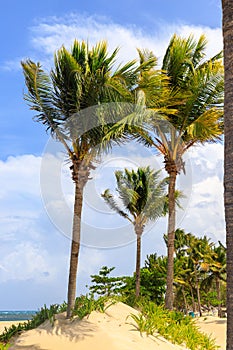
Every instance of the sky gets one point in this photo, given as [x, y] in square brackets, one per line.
[36, 193]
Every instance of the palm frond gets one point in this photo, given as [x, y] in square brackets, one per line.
[109, 199]
[207, 128]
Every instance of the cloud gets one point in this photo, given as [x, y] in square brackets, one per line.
[205, 213]
[51, 33]
[27, 261]
[33, 249]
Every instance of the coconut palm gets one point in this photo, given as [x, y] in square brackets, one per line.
[81, 78]
[227, 9]
[198, 119]
[189, 113]
[216, 269]
[143, 196]
[200, 255]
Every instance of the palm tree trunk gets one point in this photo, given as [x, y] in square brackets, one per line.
[198, 291]
[75, 247]
[218, 289]
[185, 300]
[138, 261]
[170, 244]
[227, 6]
[193, 300]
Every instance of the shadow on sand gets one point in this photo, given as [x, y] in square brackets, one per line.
[73, 330]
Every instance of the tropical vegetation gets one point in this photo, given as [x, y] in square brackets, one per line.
[143, 197]
[170, 110]
[81, 78]
[199, 277]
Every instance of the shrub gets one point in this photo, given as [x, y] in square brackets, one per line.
[173, 326]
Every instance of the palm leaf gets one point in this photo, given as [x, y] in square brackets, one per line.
[109, 199]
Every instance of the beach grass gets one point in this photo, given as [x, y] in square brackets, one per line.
[151, 319]
[172, 325]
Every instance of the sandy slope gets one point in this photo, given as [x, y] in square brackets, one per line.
[216, 327]
[109, 331]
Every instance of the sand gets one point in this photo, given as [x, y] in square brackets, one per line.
[7, 324]
[216, 327]
[112, 330]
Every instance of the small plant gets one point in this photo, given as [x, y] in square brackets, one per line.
[84, 305]
[4, 346]
[62, 307]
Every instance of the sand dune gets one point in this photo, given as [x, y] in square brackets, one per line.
[111, 330]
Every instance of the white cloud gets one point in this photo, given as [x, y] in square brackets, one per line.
[205, 213]
[27, 261]
[20, 174]
[51, 33]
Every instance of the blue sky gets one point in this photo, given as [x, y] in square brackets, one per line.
[34, 253]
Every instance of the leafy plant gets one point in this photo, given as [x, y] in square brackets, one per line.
[4, 346]
[104, 285]
[173, 326]
[84, 305]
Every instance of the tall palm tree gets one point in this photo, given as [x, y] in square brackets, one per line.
[143, 196]
[227, 9]
[81, 78]
[184, 109]
[198, 119]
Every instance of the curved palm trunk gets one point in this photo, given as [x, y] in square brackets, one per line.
[227, 7]
[138, 231]
[170, 244]
[218, 289]
[75, 247]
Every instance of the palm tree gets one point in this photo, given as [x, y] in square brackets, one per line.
[198, 118]
[80, 79]
[227, 9]
[142, 195]
[217, 272]
[184, 109]
[200, 255]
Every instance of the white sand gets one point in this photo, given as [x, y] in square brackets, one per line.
[111, 330]
[216, 327]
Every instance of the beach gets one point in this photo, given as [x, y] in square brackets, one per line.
[214, 326]
[113, 330]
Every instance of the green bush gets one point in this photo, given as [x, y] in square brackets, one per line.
[173, 326]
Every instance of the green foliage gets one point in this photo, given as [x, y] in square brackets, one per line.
[42, 315]
[85, 304]
[4, 346]
[152, 287]
[173, 326]
[142, 194]
[105, 285]
[198, 264]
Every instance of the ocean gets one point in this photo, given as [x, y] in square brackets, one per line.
[16, 315]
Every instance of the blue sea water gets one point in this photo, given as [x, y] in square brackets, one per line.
[16, 315]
